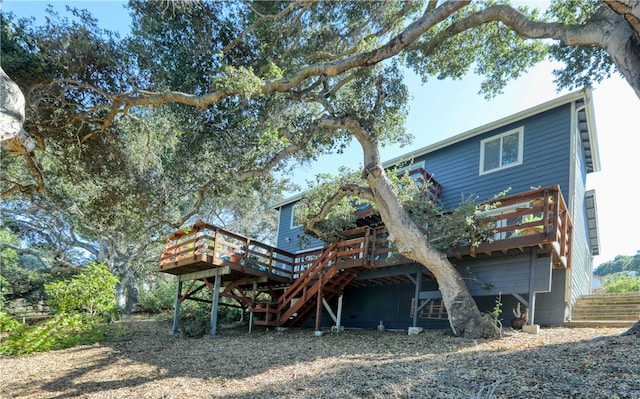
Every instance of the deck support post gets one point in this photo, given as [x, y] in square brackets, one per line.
[214, 306]
[176, 312]
[318, 331]
[532, 293]
[339, 312]
[253, 304]
[416, 301]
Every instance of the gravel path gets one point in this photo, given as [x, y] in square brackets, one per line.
[143, 361]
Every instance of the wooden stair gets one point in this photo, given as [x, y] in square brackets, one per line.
[297, 304]
[610, 310]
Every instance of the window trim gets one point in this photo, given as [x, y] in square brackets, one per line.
[519, 161]
[293, 212]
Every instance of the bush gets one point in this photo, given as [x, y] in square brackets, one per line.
[82, 303]
[92, 291]
[17, 282]
[195, 318]
[160, 298]
[624, 284]
[10, 325]
[63, 330]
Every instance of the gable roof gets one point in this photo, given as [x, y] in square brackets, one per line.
[585, 124]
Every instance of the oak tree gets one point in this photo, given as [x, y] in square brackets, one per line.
[255, 88]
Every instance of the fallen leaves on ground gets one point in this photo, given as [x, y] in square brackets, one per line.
[144, 361]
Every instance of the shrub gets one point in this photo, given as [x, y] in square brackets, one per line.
[82, 303]
[92, 291]
[624, 284]
[195, 318]
[10, 325]
[160, 298]
[63, 330]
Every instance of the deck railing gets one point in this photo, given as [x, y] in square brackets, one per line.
[420, 177]
[206, 240]
[533, 218]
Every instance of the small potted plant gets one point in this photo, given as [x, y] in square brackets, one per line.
[530, 230]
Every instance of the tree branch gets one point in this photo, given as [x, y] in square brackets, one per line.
[290, 8]
[606, 29]
[344, 191]
[394, 46]
[630, 11]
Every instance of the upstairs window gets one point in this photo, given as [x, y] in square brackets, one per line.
[501, 151]
[296, 221]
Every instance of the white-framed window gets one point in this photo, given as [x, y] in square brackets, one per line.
[295, 222]
[501, 151]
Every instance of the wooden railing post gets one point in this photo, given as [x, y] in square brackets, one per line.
[270, 263]
[318, 331]
[545, 216]
[372, 249]
[565, 231]
[215, 243]
[246, 251]
[556, 216]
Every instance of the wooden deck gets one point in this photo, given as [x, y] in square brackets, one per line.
[298, 282]
[536, 218]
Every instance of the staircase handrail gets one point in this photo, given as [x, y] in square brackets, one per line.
[308, 275]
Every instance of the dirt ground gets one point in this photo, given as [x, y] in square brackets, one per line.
[141, 360]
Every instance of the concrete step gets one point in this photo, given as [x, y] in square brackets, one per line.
[581, 302]
[604, 318]
[612, 309]
[607, 309]
[623, 297]
[582, 305]
[600, 323]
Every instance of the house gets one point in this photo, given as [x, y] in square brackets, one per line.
[545, 235]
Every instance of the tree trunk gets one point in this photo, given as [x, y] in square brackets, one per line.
[464, 317]
[13, 137]
[635, 330]
[622, 43]
[127, 292]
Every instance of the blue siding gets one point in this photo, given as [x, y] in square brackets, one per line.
[582, 262]
[551, 308]
[506, 274]
[545, 160]
[288, 237]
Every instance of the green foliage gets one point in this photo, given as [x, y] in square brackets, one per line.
[92, 291]
[159, 298]
[16, 280]
[620, 263]
[621, 282]
[584, 65]
[494, 315]
[83, 303]
[492, 49]
[63, 330]
[8, 256]
[21, 283]
[341, 216]
[443, 227]
[448, 227]
[195, 318]
[9, 324]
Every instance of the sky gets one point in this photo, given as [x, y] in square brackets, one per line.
[441, 109]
